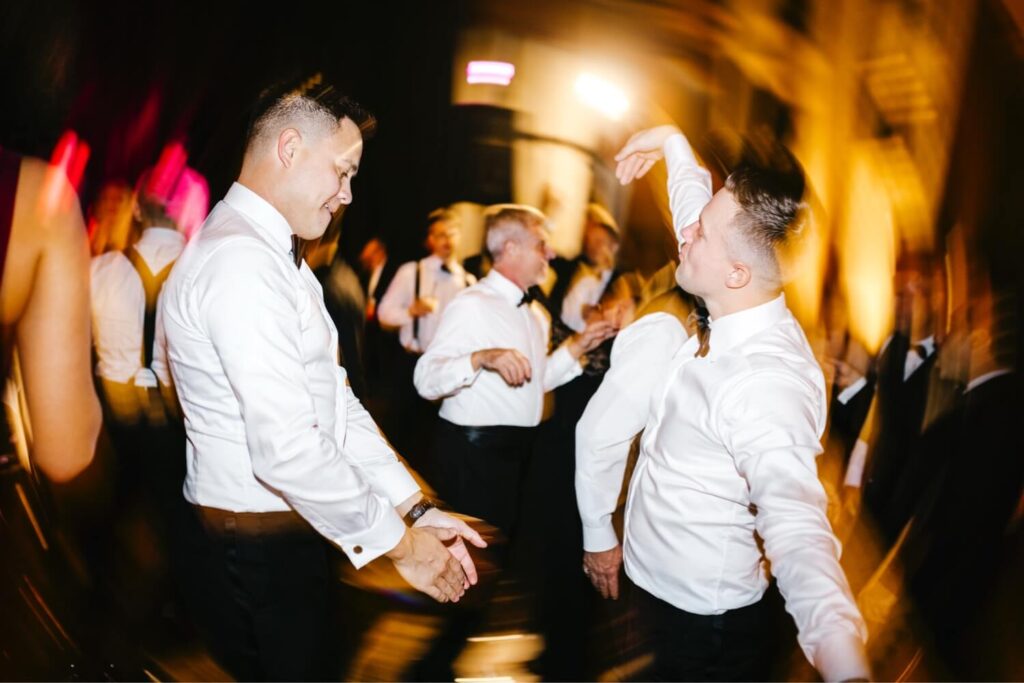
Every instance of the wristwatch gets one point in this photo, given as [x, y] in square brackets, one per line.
[418, 510]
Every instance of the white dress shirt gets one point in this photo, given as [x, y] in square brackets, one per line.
[272, 423]
[486, 316]
[118, 302]
[435, 283]
[727, 454]
[586, 290]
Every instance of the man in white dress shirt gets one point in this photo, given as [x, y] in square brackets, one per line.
[421, 289]
[280, 452]
[129, 341]
[731, 421]
[489, 362]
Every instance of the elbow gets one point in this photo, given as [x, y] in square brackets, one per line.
[63, 458]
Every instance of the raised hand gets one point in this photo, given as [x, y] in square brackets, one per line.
[641, 152]
[595, 333]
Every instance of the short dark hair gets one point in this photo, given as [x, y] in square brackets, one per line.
[312, 99]
[772, 210]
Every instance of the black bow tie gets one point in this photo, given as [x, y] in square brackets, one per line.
[296, 252]
[921, 350]
[698, 319]
[446, 269]
[528, 298]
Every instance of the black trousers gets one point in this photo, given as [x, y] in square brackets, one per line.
[734, 646]
[259, 592]
[481, 470]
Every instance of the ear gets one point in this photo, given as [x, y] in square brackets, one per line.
[136, 211]
[287, 145]
[738, 277]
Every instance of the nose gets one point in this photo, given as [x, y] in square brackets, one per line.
[345, 192]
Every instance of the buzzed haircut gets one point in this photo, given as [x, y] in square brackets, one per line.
[314, 107]
[772, 211]
[509, 222]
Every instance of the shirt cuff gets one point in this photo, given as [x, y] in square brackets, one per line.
[597, 539]
[394, 481]
[677, 150]
[367, 546]
[849, 392]
[841, 657]
[565, 367]
[464, 370]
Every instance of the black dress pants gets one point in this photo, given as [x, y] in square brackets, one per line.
[481, 470]
[259, 592]
[733, 646]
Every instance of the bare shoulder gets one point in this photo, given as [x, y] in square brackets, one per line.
[47, 220]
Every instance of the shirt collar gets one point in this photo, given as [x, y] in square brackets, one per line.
[981, 379]
[928, 343]
[268, 220]
[730, 330]
[508, 290]
[162, 236]
[434, 262]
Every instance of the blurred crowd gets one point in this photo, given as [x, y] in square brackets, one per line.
[921, 458]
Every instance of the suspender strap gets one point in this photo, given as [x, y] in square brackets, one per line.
[151, 284]
[416, 295]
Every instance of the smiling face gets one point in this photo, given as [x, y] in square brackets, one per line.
[704, 261]
[319, 175]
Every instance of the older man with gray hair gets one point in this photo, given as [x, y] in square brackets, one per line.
[489, 362]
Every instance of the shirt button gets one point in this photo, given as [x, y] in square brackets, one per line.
[358, 549]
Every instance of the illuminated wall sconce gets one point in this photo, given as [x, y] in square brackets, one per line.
[491, 73]
[603, 96]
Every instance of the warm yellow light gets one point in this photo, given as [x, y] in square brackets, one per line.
[868, 251]
[603, 96]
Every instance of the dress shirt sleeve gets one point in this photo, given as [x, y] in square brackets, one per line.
[447, 365]
[250, 308]
[365, 447]
[393, 310]
[689, 184]
[560, 367]
[771, 421]
[615, 414]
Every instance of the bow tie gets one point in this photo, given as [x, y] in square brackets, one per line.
[445, 268]
[699, 318]
[296, 252]
[528, 298]
[921, 350]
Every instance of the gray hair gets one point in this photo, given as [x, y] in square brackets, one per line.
[509, 222]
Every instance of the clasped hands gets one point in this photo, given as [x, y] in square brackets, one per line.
[433, 558]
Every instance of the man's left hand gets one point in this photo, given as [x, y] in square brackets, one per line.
[438, 518]
[587, 340]
[603, 570]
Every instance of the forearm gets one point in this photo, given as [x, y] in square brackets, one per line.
[689, 184]
[437, 376]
